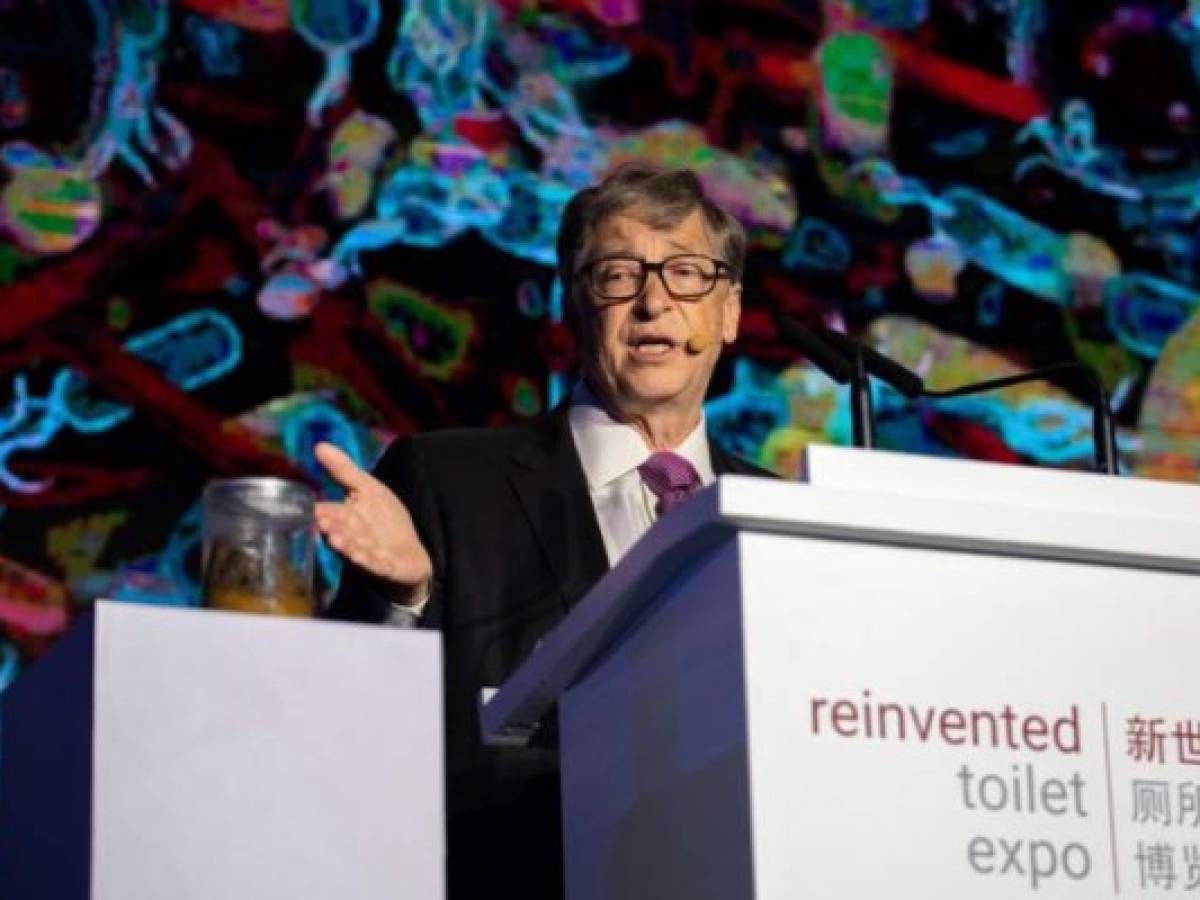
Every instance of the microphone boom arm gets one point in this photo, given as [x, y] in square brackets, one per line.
[845, 360]
[1104, 435]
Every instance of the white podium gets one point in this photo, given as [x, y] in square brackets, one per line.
[909, 678]
[193, 754]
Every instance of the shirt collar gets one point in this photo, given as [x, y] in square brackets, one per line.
[609, 449]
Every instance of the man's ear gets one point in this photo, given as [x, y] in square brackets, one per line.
[731, 313]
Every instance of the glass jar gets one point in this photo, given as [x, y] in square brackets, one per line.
[259, 543]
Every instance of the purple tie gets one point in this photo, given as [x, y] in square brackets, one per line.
[671, 477]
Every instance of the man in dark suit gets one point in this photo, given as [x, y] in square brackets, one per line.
[492, 535]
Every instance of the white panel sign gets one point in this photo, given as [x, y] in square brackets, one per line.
[243, 756]
[925, 723]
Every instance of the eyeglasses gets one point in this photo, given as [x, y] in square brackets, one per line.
[686, 276]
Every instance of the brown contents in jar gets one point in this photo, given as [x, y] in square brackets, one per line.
[238, 578]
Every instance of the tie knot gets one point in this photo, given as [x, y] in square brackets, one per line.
[670, 477]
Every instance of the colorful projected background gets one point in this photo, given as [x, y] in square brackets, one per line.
[230, 228]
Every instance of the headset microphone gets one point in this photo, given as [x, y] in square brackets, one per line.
[697, 343]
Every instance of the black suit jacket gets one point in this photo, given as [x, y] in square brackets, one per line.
[507, 519]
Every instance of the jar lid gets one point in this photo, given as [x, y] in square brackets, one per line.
[280, 500]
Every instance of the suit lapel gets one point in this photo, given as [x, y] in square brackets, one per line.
[724, 463]
[546, 474]
[727, 464]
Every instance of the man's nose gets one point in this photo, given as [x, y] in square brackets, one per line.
[655, 298]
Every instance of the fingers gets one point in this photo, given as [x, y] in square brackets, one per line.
[337, 520]
[344, 534]
[325, 513]
[374, 531]
[340, 466]
[350, 535]
[330, 521]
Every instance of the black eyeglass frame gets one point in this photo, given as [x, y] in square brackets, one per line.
[723, 270]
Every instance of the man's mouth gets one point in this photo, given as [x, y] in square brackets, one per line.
[652, 346]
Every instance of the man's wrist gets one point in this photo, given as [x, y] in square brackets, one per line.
[406, 603]
[418, 595]
[412, 597]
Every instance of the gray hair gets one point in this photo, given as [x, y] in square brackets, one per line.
[661, 198]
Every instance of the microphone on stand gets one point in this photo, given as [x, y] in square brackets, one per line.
[824, 357]
[834, 363]
[911, 385]
[889, 371]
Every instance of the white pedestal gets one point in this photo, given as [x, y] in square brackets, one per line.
[192, 754]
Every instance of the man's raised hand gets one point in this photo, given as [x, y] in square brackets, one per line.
[371, 527]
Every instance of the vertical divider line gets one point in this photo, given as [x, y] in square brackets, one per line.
[1112, 815]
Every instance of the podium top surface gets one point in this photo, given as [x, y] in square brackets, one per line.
[1028, 486]
[875, 498]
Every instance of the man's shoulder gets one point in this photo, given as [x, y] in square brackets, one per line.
[468, 446]
[474, 439]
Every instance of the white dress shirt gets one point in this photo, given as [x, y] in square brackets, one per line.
[611, 452]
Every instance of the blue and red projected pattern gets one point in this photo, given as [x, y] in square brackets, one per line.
[232, 228]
